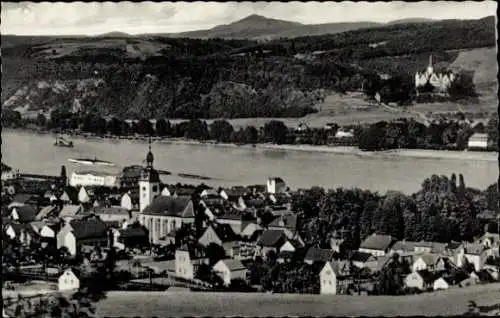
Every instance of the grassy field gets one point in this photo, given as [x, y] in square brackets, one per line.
[445, 303]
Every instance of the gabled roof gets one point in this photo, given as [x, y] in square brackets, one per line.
[427, 277]
[25, 198]
[46, 212]
[286, 221]
[130, 232]
[341, 268]
[89, 228]
[69, 194]
[233, 264]
[272, 238]
[18, 227]
[377, 242]
[474, 249]
[69, 210]
[362, 257]
[181, 206]
[316, 254]
[113, 210]
[429, 259]
[224, 232]
[26, 213]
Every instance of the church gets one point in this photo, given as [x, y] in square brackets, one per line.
[161, 214]
[441, 82]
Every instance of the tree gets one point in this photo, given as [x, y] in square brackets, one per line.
[63, 177]
[144, 127]
[11, 118]
[214, 252]
[275, 131]
[163, 128]
[115, 126]
[41, 120]
[492, 131]
[221, 130]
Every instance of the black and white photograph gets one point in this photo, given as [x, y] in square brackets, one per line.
[174, 159]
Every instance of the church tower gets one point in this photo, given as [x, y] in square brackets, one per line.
[149, 183]
[430, 68]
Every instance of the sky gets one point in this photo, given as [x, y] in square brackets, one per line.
[78, 18]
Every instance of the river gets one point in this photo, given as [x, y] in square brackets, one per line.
[35, 153]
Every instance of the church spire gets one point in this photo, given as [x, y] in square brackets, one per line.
[430, 68]
[149, 156]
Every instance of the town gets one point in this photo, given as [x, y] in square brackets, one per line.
[152, 236]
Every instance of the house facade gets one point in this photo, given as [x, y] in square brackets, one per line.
[275, 185]
[186, 263]
[68, 281]
[328, 280]
[77, 233]
[230, 269]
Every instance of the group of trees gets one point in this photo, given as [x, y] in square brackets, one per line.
[443, 210]
[414, 135]
[402, 133]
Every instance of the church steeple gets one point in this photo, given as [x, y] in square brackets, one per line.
[430, 68]
[149, 156]
[149, 183]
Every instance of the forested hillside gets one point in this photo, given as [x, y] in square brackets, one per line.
[155, 76]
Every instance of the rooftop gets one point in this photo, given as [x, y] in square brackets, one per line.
[170, 206]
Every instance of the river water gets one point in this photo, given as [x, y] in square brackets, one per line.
[35, 153]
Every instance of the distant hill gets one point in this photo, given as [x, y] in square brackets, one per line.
[115, 34]
[161, 76]
[259, 27]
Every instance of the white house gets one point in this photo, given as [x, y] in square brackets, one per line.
[68, 281]
[230, 269]
[76, 233]
[126, 202]
[7, 172]
[275, 185]
[93, 178]
[424, 262]
[48, 232]
[441, 283]
[478, 141]
[475, 254]
[422, 280]
[186, 263]
[328, 280]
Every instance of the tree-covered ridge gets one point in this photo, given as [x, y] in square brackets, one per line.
[156, 76]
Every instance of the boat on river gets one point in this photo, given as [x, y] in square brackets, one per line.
[89, 161]
[61, 142]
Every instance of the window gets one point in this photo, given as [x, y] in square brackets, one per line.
[330, 282]
[143, 188]
[65, 281]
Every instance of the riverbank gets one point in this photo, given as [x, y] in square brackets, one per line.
[441, 303]
[341, 150]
